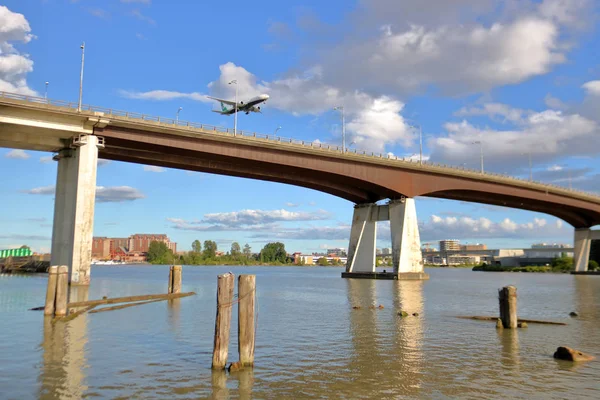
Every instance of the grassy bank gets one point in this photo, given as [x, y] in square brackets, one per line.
[532, 268]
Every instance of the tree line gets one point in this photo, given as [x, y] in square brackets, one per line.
[206, 254]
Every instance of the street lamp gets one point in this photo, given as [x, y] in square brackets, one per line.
[234, 82]
[46, 92]
[530, 167]
[276, 130]
[480, 143]
[81, 75]
[341, 109]
[177, 117]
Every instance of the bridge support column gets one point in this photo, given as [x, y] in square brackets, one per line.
[74, 207]
[582, 245]
[363, 236]
[406, 243]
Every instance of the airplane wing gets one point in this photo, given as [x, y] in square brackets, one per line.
[221, 112]
[228, 102]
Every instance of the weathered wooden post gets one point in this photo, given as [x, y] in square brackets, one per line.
[176, 278]
[225, 285]
[62, 291]
[246, 339]
[51, 290]
[170, 289]
[508, 306]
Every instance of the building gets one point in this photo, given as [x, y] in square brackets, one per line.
[549, 246]
[132, 248]
[386, 251]
[473, 247]
[310, 259]
[449, 245]
[141, 242]
[101, 248]
[337, 252]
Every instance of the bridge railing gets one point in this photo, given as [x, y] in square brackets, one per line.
[205, 128]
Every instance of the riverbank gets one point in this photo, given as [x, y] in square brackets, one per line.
[538, 269]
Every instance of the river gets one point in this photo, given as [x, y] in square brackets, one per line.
[310, 342]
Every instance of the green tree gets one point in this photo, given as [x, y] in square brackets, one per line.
[593, 266]
[274, 252]
[322, 262]
[247, 250]
[196, 246]
[159, 253]
[235, 249]
[210, 249]
[563, 264]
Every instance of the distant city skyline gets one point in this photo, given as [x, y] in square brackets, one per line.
[528, 93]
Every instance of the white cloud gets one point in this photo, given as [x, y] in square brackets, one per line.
[555, 168]
[147, 2]
[153, 168]
[547, 135]
[254, 217]
[14, 66]
[46, 159]
[494, 110]
[114, 194]
[163, 95]
[438, 228]
[292, 205]
[17, 154]
[138, 14]
[99, 12]
[592, 87]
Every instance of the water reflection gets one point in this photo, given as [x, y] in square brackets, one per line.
[509, 343]
[64, 361]
[387, 349]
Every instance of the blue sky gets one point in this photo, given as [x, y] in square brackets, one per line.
[522, 76]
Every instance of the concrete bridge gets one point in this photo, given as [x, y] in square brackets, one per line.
[80, 137]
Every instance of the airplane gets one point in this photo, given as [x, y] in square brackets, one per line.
[250, 106]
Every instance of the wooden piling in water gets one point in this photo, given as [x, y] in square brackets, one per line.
[51, 290]
[508, 306]
[176, 278]
[225, 285]
[170, 289]
[246, 331]
[62, 291]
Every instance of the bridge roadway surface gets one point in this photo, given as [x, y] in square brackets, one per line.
[48, 125]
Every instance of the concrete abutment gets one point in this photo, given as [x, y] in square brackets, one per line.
[406, 243]
[74, 204]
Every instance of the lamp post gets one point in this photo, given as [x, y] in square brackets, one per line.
[177, 117]
[276, 130]
[81, 75]
[341, 109]
[46, 92]
[234, 82]
[480, 143]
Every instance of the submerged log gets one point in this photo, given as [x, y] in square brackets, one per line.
[122, 306]
[529, 321]
[130, 299]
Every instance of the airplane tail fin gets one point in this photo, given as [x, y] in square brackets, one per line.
[223, 107]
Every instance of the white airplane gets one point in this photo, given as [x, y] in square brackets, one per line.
[249, 106]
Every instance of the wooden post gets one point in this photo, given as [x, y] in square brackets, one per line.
[176, 278]
[170, 289]
[62, 291]
[246, 339]
[51, 290]
[225, 285]
[508, 306]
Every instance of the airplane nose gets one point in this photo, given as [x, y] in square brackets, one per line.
[265, 96]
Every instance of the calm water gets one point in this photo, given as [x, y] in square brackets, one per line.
[310, 342]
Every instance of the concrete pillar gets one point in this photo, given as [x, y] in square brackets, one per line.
[361, 250]
[74, 208]
[582, 244]
[406, 243]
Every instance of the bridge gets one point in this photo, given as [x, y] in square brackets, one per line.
[80, 136]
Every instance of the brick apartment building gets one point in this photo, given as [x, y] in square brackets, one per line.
[104, 248]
